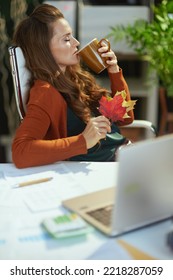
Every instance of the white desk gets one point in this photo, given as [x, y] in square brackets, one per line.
[22, 237]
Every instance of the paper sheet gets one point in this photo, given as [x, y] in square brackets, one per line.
[42, 196]
[110, 250]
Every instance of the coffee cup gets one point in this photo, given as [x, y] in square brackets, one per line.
[92, 58]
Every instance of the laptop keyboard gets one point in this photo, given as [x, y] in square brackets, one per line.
[103, 215]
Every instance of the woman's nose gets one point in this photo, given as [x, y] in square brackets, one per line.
[76, 42]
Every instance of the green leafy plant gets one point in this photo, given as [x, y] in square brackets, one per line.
[152, 41]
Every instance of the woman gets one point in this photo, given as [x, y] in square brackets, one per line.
[62, 120]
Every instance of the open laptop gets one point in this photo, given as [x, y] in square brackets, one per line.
[143, 191]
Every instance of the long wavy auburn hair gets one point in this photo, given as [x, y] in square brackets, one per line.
[77, 86]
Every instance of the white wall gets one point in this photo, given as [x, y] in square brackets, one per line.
[95, 21]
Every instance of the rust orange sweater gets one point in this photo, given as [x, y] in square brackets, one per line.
[42, 136]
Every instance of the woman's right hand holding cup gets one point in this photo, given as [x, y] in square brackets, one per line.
[96, 129]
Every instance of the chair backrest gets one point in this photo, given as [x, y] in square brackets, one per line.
[21, 77]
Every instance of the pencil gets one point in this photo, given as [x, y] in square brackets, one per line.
[36, 181]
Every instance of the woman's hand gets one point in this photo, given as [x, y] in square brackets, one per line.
[95, 130]
[112, 59]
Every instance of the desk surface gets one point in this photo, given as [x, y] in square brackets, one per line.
[23, 209]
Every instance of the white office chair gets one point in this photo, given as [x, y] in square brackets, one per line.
[21, 76]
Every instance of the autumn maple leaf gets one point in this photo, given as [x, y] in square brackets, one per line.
[116, 108]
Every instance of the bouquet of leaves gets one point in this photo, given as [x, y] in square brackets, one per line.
[116, 108]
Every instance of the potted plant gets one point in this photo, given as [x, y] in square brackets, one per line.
[153, 41]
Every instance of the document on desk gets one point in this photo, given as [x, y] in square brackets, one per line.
[43, 196]
[110, 250]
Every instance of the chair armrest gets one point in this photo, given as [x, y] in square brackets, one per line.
[143, 124]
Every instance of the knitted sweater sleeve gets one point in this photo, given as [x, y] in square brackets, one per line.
[118, 83]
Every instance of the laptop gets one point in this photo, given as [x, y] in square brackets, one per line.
[143, 191]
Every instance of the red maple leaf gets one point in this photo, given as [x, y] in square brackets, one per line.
[116, 108]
